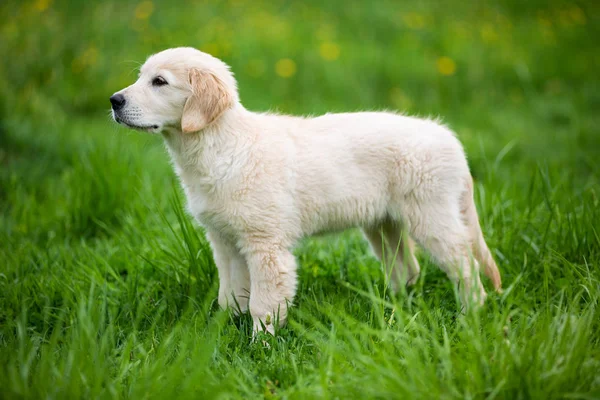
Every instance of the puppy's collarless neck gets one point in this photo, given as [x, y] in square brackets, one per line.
[221, 139]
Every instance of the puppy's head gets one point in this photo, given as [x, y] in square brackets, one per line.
[182, 88]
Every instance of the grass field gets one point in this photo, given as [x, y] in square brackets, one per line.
[108, 288]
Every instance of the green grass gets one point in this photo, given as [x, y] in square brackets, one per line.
[108, 288]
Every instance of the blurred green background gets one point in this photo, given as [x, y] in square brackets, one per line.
[476, 64]
[107, 288]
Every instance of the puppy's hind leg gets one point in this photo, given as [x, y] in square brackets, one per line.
[439, 228]
[395, 249]
[481, 252]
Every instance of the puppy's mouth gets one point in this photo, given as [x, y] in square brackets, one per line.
[147, 128]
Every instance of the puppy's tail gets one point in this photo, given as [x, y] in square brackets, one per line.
[480, 250]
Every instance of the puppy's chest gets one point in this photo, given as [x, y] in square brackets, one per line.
[211, 205]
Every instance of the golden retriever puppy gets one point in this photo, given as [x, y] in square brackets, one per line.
[259, 182]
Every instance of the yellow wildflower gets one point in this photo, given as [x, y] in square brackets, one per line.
[285, 67]
[446, 66]
[329, 51]
[144, 10]
[42, 5]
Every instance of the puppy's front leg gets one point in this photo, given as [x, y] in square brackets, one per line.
[234, 277]
[272, 284]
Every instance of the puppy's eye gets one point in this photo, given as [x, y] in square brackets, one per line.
[159, 81]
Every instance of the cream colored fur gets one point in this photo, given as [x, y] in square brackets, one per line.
[259, 182]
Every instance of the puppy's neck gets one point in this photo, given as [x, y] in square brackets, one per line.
[194, 152]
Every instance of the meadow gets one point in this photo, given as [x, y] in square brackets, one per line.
[108, 287]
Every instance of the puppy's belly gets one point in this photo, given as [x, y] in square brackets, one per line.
[350, 212]
[342, 197]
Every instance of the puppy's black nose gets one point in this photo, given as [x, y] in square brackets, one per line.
[117, 101]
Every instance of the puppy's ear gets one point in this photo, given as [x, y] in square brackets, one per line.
[208, 101]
